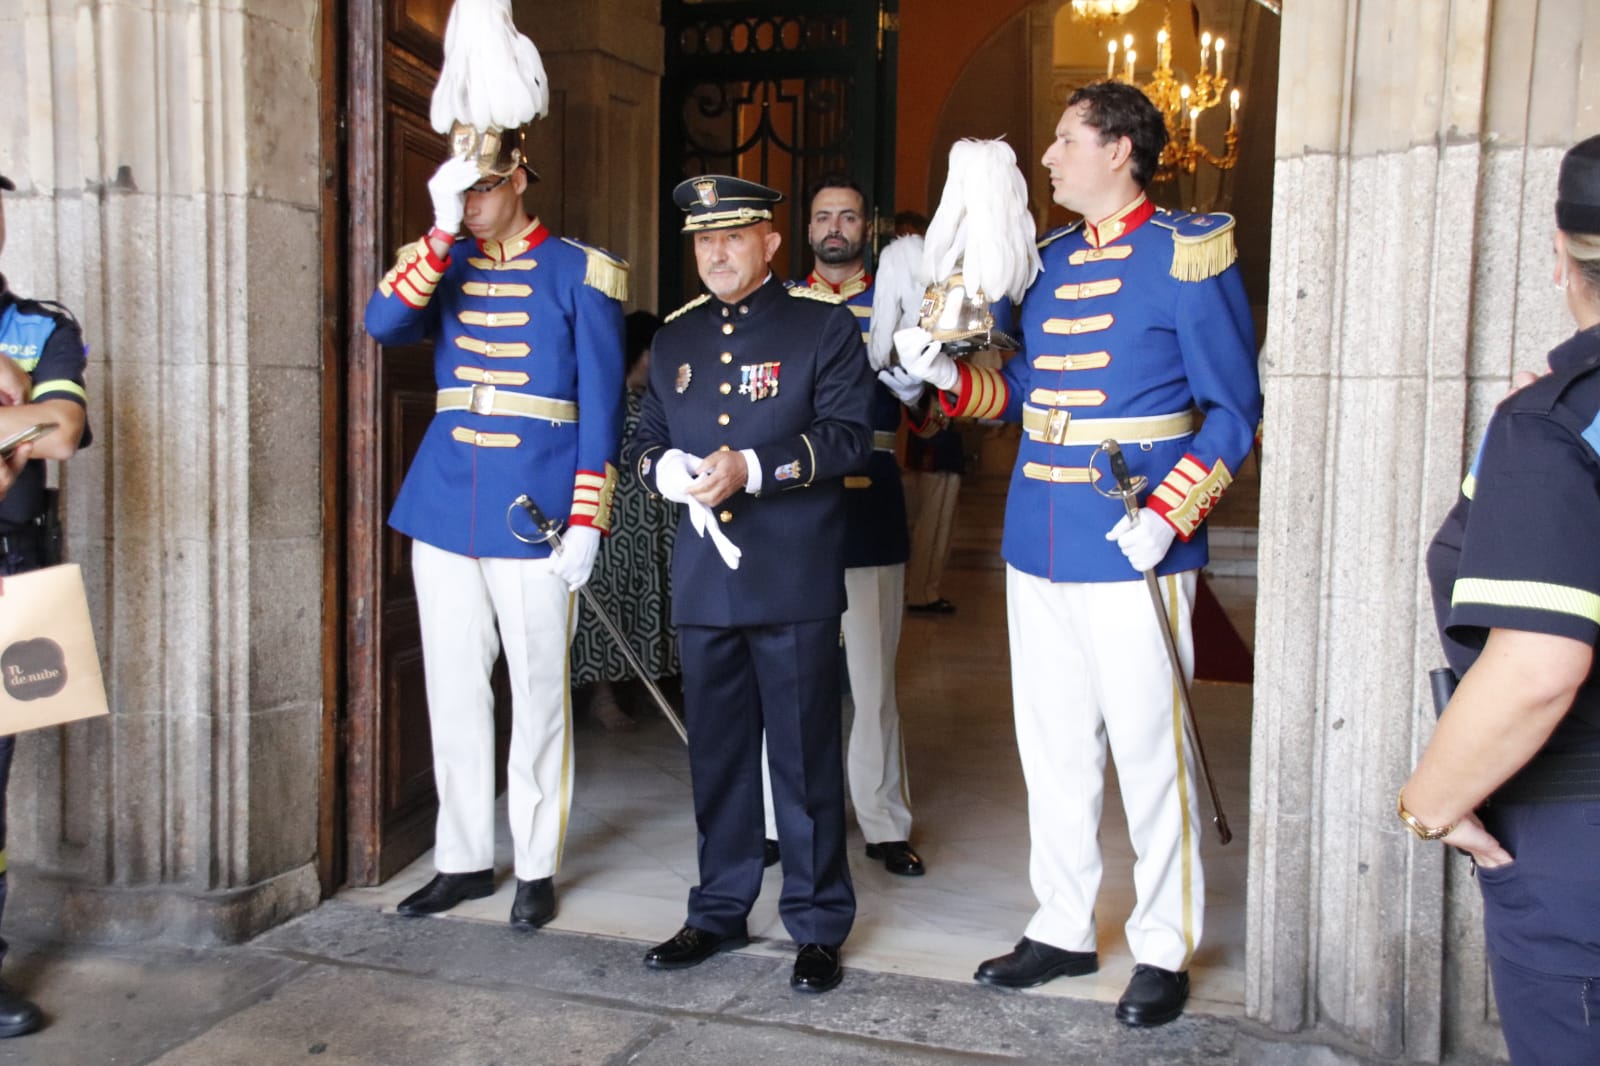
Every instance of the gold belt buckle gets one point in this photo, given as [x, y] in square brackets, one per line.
[1055, 426]
[482, 400]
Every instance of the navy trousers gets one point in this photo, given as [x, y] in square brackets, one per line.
[784, 679]
[1541, 918]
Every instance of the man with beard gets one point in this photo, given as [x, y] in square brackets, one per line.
[875, 553]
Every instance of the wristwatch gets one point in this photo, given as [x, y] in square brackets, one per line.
[1422, 831]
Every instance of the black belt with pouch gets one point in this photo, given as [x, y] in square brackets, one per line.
[1552, 777]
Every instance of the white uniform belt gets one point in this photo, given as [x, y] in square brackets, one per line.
[1057, 426]
[882, 441]
[489, 400]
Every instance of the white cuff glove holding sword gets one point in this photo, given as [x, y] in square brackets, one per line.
[1145, 540]
[574, 562]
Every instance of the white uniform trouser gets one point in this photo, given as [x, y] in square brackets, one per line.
[459, 602]
[876, 759]
[931, 523]
[1088, 665]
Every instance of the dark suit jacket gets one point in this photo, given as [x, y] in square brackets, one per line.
[782, 372]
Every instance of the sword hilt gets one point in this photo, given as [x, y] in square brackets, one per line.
[549, 528]
[1129, 485]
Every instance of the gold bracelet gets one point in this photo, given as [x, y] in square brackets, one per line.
[1416, 826]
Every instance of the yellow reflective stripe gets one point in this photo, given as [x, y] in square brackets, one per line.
[2, 860]
[1532, 595]
[71, 388]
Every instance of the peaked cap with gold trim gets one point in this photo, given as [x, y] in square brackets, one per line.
[718, 201]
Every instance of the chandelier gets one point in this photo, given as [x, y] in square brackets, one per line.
[1182, 104]
[1100, 13]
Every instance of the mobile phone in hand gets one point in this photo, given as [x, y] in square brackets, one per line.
[17, 440]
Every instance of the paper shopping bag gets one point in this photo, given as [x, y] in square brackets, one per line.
[49, 668]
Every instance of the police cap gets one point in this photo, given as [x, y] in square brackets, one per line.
[717, 201]
[1578, 189]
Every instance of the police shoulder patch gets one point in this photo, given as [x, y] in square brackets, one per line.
[806, 292]
[1202, 245]
[692, 304]
[1058, 233]
[602, 270]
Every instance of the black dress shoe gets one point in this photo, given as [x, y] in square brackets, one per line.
[1032, 963]
[17, 1016]
[770, 853]
[445, 891]
[1153, 997]
[535, 903]
[939, 606]
[690, 947]
[816, 968]
[897, 857]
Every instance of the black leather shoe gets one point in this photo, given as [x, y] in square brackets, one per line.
[690, 947]
[897, 857]
[1032, 963]
[18, 1017]
[1153, 997]
[770, 853]
[816, 968]
[535, 903]
[445, 891]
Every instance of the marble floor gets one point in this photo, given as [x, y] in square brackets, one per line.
[630, 849]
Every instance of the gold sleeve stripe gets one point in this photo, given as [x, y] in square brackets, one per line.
[592, 496]
[70, 388]
[410, 295]
[496, 288]
[811, 471]
[496, 350]
[1196, 495]
[493, 319]
[1469, 485]
[586, 507]
[645, 457]
[386, 286]
[593, 481]
[1095, 255]
[428, 272]
[1529, 595]
[986, 394]
[1067, 397]
[1086, 361]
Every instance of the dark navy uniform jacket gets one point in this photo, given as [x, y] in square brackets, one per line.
[782, 372]
[45, 341]
[877, 533]
[1521, 548]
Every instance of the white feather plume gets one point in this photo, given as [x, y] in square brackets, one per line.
[983, 225]
[897, 288]
[492, 75]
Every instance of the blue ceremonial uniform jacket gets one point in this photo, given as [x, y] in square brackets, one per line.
[1517, 550]
[782, 372]
[44, 340]
[876, 532]
[1134, 329]
[527, 339]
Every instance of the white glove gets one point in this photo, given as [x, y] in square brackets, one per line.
[702, 519]
[575, 561]
[675, 470]
[925, 358]
[1144, 540]
[905, 385]
[448, 187]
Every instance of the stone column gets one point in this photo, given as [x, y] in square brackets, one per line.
[1417, 150]
[598, 153]
[168, 168]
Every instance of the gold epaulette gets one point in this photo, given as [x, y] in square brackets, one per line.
[1057, 234]
[691, 305]
[1202, 245]
[806, 292]
[604, 271]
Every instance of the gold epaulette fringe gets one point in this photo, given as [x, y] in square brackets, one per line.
[1056, 234]
[691, 305]
[806, 292]
[608, 275]
[1205, 256]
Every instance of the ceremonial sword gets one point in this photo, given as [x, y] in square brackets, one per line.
[550, 531]
[1127, 491]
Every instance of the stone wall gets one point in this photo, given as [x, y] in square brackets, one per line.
[1410, 275]
[168, 167]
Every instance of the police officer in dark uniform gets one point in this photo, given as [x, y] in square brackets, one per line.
[756, 408]
[1515, 572]
[41, 381]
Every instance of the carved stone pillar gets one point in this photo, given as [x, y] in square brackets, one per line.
[168, 171]
[1415, 176]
